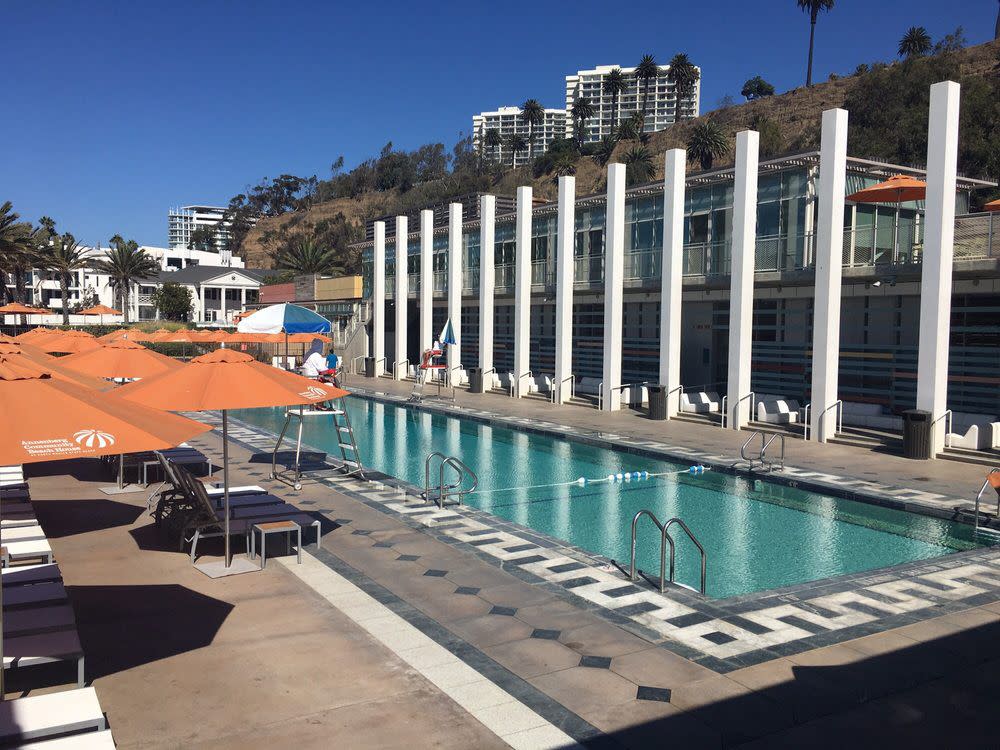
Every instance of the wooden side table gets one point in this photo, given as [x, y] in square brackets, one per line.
[274, 527]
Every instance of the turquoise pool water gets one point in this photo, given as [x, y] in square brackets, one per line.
[758, 535]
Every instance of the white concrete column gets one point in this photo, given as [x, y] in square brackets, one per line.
[741, 290]
[402, 287]
[522, 290]
[426, 280]
[378, 297]
[455, 287]
[672, 270]
[201, 295]
[222, 299]
[565, 236]
[939, 238]
[487, 230]
[614, 287]
[829, 265]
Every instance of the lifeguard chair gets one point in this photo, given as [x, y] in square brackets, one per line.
[429, 363]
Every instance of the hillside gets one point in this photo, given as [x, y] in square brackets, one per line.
[888, 105]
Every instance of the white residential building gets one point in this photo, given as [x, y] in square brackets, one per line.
[218, 293]
[661, 104]
[181, 222]
[507, 121]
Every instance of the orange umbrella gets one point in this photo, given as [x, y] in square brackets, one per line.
[29, 357]
[133, 334]
[16, 308]
[307, 338]
[992, 205]
[225, 380]
[899, 188]
[120, 359]
[68, 342]
[35, 333]
[100, 310]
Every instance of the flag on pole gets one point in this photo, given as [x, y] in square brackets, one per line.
[447, 336]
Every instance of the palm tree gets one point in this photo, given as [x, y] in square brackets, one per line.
[638, 165]
[532, 114]
[631, 128]
[647, 70]
[306, 256]
[684, 75]
[126, 265]
[813, 7]
[615, 84]
[516, 143]
[63, 258]
[706, 142]
[605, 150]
[13, 233]
[582, 111]
[915, 42]
[493, 141]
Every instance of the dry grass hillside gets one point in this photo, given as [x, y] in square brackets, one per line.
[794, 116]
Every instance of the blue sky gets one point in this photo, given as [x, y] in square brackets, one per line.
[115, 111]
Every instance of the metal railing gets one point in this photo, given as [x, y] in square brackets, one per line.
[354, 363]
[557, 388]
[444, 490]
[395, 368]
[666, 539]
[679, 389]
[516, 384]
[619, 388]
[947, 416]
[380, 361]
[979, 497]
[491, 371]
[725, 414]
[761, 457]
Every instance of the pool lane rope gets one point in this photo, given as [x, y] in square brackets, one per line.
[619, 478]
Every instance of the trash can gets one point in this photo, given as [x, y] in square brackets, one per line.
[476, 380]
[369, 367]
[917, 433]
[657, 401]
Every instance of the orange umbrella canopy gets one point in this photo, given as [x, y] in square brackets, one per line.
[16, 308]
[47, 419]
[100, 310]
[897, 189]
[120, 359]
[35, 333]
[27, 356]
[225, 379]
[133, 334]
[67, 342]
[992, 205]
[307, 338]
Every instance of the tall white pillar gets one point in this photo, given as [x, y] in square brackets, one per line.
[565, 236]
[487, 230]
[829, 264]
[455, 287]
[741, 290]
[522, 290]
[614, 287]
[672, 270]
[939, 238]
[378, 297]
[426, 280]
[202, 313]
[222, 294]
[402, 287]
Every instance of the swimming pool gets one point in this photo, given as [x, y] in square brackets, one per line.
[758, 535]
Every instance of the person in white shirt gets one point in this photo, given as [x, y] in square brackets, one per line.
[315, 361]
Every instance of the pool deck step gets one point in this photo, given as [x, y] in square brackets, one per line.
[863, 437]
[990, 458]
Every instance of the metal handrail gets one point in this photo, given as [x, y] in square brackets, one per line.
[517, 383]
[622, 387]
[980, 495]
[427, 471]
[354, 368]
[781, 458]
[460, 467]
[558, 387]
[839, 406]
[675, 389]
[948, 426]
[753, 405]
[379, 361]
[764, 444]
[805, 420]
[490, 371]
[395, 367]
[666, 539]
[746, 444]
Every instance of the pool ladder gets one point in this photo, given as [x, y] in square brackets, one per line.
[761, 458]
[349, 452]
[986, 485]
[441, 493]
[666, 539]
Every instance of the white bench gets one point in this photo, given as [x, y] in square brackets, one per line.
[39, 716]
[777, 410]
[38, 620]
[85, 741]
[590, 386]
[701, 402]
[20, 596]
[44, 648]
[19, 521]
[28, 575]
[872, 416]
[34, 549]
[26, 533]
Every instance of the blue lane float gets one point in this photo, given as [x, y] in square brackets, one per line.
[617, 478]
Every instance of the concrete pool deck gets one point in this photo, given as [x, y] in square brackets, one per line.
[298, 654]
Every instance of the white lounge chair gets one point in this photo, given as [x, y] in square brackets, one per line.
[18, 521]
[29, 575]
[44, 648]
[85, 741]
[11, 475]
[36, 549]
[9, 535]
[39, 716]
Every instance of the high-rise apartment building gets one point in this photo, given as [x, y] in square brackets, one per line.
[181, 222]
[661, 101]
[507, 122]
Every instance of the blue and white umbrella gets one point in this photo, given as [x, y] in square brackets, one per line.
[284, 318]
[447, 336]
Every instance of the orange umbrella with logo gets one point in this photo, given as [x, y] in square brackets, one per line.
[223, 380]
[120, 359]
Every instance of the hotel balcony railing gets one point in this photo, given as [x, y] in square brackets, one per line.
[503, 277]
[707, 258]
[440, 281]
[588, 270]
[542, 275]
[642, 265]
[976, 236]
[413, 282]
[470, 280]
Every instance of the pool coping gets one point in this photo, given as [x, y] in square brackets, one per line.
[720, 634]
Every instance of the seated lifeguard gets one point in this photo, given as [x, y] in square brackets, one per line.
[316, 366]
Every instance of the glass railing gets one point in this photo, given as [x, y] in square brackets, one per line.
[440, 281]
[588, 270]
[413, 281]
[470, 279]
[784, 252]
[707, 258]
[643, 265]
[541, 274]
[503, 277]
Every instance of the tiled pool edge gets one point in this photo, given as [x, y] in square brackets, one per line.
[722, 635]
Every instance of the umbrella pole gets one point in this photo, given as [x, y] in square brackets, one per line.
[121, 470]
[225, 479]
[286, 351]
[1, 642]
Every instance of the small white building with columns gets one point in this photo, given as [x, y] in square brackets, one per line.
[753, 293]
[218, 293]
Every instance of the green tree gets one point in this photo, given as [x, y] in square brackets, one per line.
[18, 251]
[685, 76]
[615, 84]
[639, 165]
[492, 141]
[916, 42]
[125, 265]
[605, 150]
[631, 128]
[62, 259]
[516, 143]
[532, 115]
[645, 72]
[813, 8]
[771, 141]
[203, 238]
[306, 256]
[756, 88]
[583, 110]
[706, 142]
[173, 301]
